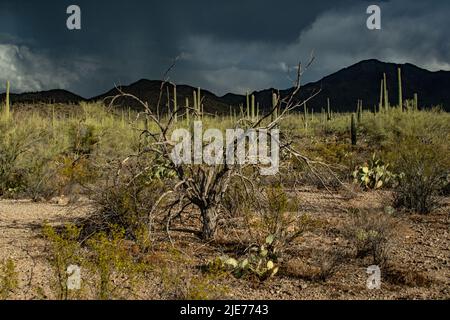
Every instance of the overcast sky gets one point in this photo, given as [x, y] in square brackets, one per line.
[227, 45]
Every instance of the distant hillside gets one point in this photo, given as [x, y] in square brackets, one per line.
[344, 88]
[51, 96]
[149, 91]
[362, 81]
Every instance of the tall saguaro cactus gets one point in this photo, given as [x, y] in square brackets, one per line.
[175, 103]
[359, 110]
[416, 102]
[400, 89]
[7, 106]
[386, 98]
[353, 132]
[196, 105]
[328, 110]
[305, 115]
[247, 100]
[253, 108]
[186, 105]
[380, 106]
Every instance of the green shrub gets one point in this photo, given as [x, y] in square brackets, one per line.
[83, 138]
[65, 250]
[424, 168]
[126, 200]
[8, 279]
[113, 265]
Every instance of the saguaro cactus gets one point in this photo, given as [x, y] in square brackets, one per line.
[175, 104]
[199, 98]
[359, 111]
[400, 89]
[253, 108]
[328, 110]
[305, 111]
[274, 105]
[380, 106]
[416, 102]
[7, 106]
[257, 111]
[353, 129]
[386, 98]
[186, 105]
[247, 100]
[195, 103]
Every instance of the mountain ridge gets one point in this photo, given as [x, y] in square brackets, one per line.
[344, 88]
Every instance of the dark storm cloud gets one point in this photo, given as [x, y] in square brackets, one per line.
[224, 45]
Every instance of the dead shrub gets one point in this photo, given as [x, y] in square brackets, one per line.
[320, 267]
[370, 233]
[402, 276]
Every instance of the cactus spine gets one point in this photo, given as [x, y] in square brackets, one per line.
[400, 89]
[353, 132]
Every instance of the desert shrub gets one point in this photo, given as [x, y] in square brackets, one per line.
[404, 276]
[82, 138]
[274, 226]
[370, 234]
[126, 199]
[8, 279]
[237, 201]
[179, 285]
[15, 142]
[278, 217]
[333, 152]
[423, 167]
[328, 263]
[322, 266]
[115, 269]
[64, 250]
[111, 267]
[179, 282]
